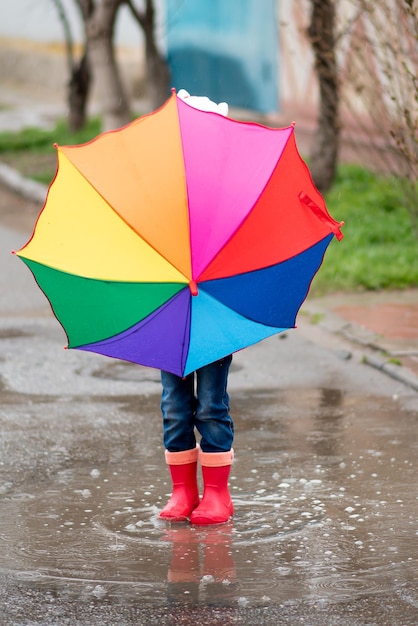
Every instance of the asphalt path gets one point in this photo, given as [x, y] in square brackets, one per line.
[312, 418]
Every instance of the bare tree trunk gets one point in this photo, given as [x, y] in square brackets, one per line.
[79, 82]
[99, 18]
[324, 155]
[78, 93]
[157, 72]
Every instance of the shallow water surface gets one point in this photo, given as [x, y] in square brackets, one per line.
[324, 487]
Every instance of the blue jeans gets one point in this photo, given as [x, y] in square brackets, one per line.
[207, 410]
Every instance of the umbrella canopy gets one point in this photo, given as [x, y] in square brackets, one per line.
[179, 238]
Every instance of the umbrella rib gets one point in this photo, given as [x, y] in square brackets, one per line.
[186, 338]
[247, 216]
[243, 315]
[128, 224]
[302, 296]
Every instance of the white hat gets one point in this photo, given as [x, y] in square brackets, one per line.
[203, 103]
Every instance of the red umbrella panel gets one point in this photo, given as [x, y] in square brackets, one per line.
[179, 238]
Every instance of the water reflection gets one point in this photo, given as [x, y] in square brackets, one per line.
[202, 565]
[326, 436]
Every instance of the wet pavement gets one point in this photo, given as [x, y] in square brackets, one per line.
[325, 518]
[324, 482]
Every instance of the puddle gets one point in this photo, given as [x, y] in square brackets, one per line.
[125, 371]
[324, 487]
[13, 333]
[122, 370]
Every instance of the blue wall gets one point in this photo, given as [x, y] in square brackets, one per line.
[225, 49]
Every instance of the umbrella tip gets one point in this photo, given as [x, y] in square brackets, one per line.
[293, 124]
[173, 90]
[193, 288]
[338, 233]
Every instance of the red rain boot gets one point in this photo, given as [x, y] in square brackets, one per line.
[185, 494]
[216, 506]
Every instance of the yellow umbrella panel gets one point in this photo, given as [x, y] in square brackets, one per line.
[99, 275]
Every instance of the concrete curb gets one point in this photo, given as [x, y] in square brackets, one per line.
[380, 357]
[397, 372]
[29, 189]
[374, 355]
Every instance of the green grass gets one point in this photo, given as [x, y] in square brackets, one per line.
[40, 139]
[31, 151]
[379, 250]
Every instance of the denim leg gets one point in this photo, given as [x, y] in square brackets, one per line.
[178, 405]
[212, 419]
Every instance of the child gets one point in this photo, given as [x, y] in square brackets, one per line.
[205, 408]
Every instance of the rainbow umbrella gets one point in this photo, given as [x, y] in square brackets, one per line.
[179, 238]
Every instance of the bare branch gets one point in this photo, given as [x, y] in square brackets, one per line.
[380, 89]
[67, 33]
